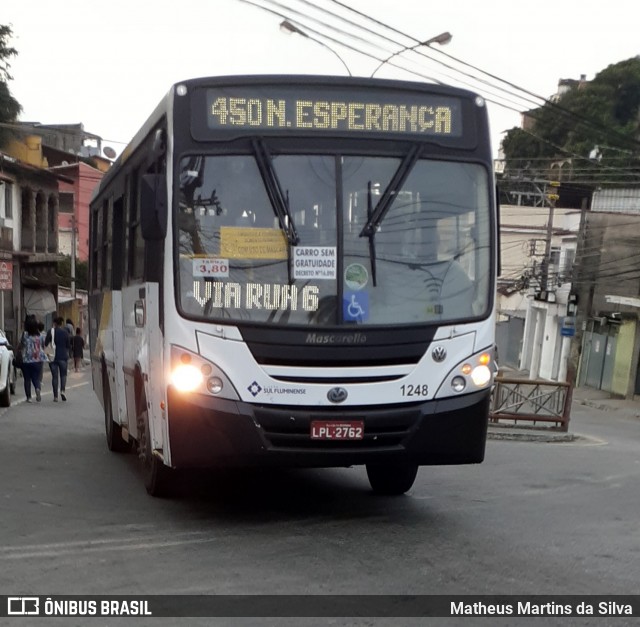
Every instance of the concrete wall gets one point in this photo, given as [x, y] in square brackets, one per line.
[609, 283]
[623, 357]
[612, 259]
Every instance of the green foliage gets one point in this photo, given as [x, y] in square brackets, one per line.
[522, 145]
[9, 106]
[82, 273]
[602, 115]
[6, 52]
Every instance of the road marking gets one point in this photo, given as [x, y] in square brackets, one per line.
[59, 549]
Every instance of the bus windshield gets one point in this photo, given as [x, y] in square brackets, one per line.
[295, 239]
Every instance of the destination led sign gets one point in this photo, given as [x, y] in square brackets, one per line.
[318, 110]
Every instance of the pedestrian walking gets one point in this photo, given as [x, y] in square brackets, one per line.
[43, 337]
[59, 339]
[33, 358]
[77, 348]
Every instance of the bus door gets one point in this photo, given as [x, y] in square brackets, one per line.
[118, 399]
[142, 351]
[155, 381]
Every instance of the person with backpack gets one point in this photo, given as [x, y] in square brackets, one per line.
[33, 358]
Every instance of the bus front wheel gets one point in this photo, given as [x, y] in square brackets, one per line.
[5, 395]
[391, 479]
[156, 476]
[113, 430]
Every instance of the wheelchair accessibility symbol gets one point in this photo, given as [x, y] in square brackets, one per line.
[355, 306]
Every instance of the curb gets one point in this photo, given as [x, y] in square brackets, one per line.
[532, 437]
[606, 407]
[527, 434]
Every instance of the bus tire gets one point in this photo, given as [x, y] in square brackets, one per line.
[113, 431]
[5, 396]
[157, 477]
[391, 479]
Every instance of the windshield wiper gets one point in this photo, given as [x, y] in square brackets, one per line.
[372, 235]
[279, 201]
[375, 217]
[389, 194]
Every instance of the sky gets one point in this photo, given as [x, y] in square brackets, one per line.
[108, 64]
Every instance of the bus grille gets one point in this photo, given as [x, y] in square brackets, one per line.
[386, 428]
[386, 347]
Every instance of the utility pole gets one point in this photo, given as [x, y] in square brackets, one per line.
[73, 255]
[552, 198]
[540, 313]
[573, 358]
[580, 301]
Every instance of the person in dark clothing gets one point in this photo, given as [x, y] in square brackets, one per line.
[43, 335]
[59, 337]
[77, 348]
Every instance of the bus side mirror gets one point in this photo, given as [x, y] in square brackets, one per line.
[153, 206]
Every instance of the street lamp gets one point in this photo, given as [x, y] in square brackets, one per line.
[287, 27]
[443, 39]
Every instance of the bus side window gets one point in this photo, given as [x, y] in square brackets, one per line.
[107, 242]
[136, 243]
[96, 235]
[117, 264]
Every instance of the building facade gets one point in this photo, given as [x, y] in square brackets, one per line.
[608, 288]
[73, 215]
[537, 261]
[29, 243]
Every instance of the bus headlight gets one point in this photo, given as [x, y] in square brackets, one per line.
[191, 373]
[472, 374]
[186, 378]
[214, 385]
[481, 375]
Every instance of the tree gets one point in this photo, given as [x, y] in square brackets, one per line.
[596, 123]
[9, 106]
[82, 273]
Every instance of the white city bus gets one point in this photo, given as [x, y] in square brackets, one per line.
[298, 271]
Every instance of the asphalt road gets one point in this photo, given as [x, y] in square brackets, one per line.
[534, 518]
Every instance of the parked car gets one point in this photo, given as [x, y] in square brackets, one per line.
[7, 371]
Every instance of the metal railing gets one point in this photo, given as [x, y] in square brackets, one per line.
[531, 401]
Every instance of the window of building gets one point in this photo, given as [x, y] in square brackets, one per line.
[568, 259]
[6, 238]
[66, 201]
[8, 200]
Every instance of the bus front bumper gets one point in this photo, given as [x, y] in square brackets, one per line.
[211, 432]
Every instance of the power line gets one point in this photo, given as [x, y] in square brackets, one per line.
[573, 114]
[594, 124]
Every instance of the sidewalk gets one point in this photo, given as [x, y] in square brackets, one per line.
[588, 397]
[74, 379]
[603, 401]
